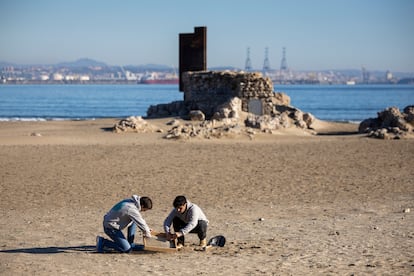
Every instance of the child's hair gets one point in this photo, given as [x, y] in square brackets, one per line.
[179, 201]
[145, 202]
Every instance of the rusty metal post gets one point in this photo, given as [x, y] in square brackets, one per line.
[193, 52]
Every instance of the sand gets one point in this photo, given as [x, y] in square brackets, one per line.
[288, 203]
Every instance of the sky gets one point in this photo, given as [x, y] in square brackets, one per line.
[317, 34]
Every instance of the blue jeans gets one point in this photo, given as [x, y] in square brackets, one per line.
[119, 242]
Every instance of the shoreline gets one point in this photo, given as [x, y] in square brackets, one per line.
[47, 119]
[80, 131]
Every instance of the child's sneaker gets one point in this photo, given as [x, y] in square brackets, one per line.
[203, 243]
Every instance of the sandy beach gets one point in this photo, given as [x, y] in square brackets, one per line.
[289, 203]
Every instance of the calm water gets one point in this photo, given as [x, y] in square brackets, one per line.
[349, 103]
[78, 102]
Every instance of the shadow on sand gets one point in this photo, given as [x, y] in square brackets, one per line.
[52, 250]
[337, 133]
[67, 249]
[107, 129]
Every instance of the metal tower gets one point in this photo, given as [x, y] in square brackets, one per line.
[266, 64]
[283, 64]
[248, 65]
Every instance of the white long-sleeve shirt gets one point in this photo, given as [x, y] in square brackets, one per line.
[191, 216]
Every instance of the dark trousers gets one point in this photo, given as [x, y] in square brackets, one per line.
[200, 229]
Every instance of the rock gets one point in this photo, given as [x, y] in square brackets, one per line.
[205, 129]
[301, 124]
[280, 98]
[230, 109]
[309, 119]
[265, 123]
[409, 114]
[173, 123]
[390, 124]
[197, 115]
[283, 117]
[368, 125]
[134, 124]
[176, 108]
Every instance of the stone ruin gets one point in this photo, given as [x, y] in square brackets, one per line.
[220, 102]
[390, 124]
[208, 91]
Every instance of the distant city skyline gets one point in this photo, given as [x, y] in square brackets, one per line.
[317, 35]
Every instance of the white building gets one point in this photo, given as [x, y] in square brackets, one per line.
[57, 77]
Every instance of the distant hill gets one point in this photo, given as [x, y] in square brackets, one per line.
[151, 67]
[6, 64]
[223, 68]
[83, 62]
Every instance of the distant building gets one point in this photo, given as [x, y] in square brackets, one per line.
[44, 77]
[69, 78]
[130, 76]
[388, 76]
[84, 78]
[57, 77]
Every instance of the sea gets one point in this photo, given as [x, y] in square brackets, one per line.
[339, 103]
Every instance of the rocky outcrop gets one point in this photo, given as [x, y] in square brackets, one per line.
[391, 123]
[289, 117]
[176, 109]
[133, 124]
[207, 130]
[229, 110]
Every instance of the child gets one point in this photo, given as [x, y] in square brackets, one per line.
[186, 217]
[125, 213]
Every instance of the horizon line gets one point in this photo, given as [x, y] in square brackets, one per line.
[174, 66]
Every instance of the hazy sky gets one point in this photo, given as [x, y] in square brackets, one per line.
[317, 34]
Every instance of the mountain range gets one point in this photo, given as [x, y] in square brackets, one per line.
[88, 63]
